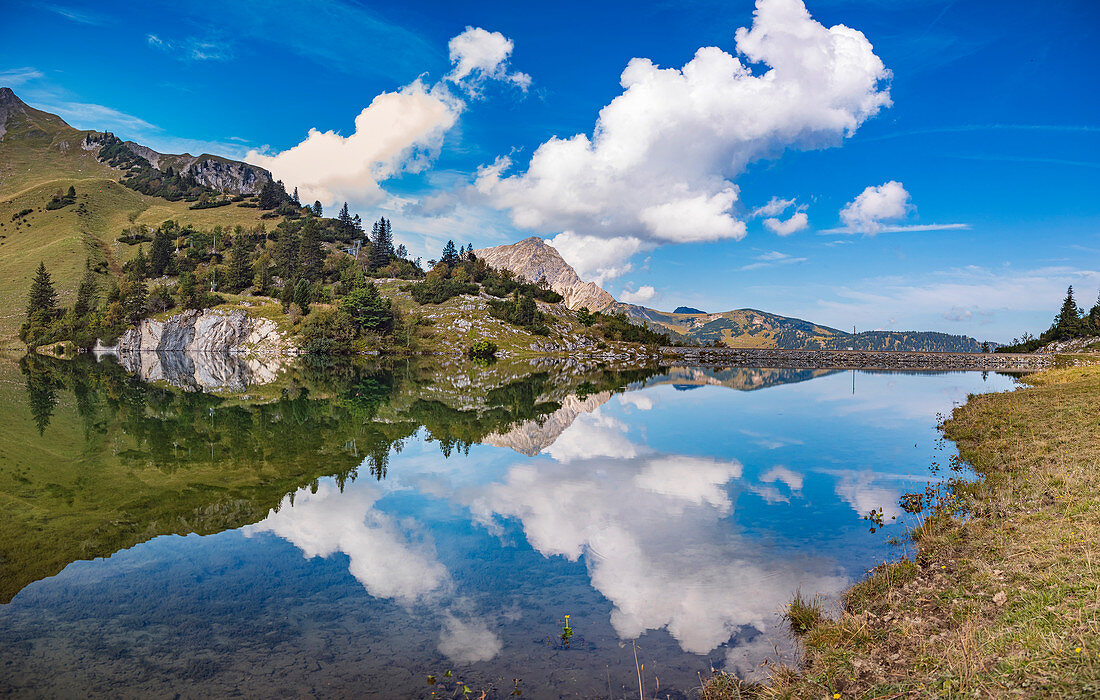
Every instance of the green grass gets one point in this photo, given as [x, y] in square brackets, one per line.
[1003, 603]
[65, 238]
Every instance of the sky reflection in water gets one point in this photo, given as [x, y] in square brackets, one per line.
[682, 513]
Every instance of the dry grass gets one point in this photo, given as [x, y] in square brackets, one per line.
[1005, 603]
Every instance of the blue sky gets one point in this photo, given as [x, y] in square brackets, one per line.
[962, 138]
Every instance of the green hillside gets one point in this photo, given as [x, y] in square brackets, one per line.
[751, 328]
[41, 156]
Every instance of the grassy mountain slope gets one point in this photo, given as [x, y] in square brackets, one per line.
[87, 230]
[751, 328]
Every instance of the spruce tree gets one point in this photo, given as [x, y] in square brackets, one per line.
[160, 254]
[450, 254]
[311, 256]
[381, 244]
[344, 222]
[287, 295]
[1068, 322]
[286, 253]
[86, 294]
[239, 274]
[42, 298]
[294, 198]
[303, 294]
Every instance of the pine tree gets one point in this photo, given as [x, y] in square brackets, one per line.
[139, 266]
[71, 193]
[86, 294]
[42, 298]
[286, 253]
[311, 257]
[303, 294]
[287, 296]
[317, 211]
[190, 297]
[1068, 322]
[344, 223]
[294, 198]
[450, 255]
[160, 254]
[239, 274]
[381, 239]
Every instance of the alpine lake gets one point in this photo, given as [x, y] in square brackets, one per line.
[182, 527]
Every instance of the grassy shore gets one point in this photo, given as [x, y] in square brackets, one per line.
[1003, 596]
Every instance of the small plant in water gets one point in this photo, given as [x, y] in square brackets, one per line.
[877, 518]
[567, 633]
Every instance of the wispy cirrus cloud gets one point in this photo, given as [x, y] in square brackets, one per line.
[192, 49]
[78, 16]
[14, 77]
[772, 259]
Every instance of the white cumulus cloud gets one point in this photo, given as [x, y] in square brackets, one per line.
[660, 164]
[400, 131]
[774, 207]
[875, 205]
[798, 222]
[640, 295]
[478, 54]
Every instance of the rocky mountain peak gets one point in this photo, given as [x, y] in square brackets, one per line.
[534, 259]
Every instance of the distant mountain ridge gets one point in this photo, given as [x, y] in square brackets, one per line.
[37, 146]
[535, 259]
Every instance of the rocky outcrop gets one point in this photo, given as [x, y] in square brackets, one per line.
[222, 174]
[202, 371]
[535, 259]
[206, 331]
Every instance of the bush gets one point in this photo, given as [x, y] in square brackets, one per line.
[521, 311]
[435, 290]
[328, 332]
[482, 350]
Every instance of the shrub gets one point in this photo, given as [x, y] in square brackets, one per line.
[482, 350]
[328, 332]
[435, 290]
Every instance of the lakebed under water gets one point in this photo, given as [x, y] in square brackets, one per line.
[357, 530]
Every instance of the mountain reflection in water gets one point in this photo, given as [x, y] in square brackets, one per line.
[378, 524]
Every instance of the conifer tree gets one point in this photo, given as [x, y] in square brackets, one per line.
[286, 253]
[139, 266]
[317, 211]
[311, 257]
[42, 298]
[303, 294]
[381, 243]
[344, 223]
[239, 274]
[160, 254]
[287, 296]
[450, 255]
[294, 198]
[1068, 322]
[86, 294]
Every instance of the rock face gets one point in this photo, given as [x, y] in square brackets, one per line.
[207, 331]
[202, 371]
[213, 171]
[535, 259]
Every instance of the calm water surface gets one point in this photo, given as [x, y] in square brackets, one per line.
[352, 531]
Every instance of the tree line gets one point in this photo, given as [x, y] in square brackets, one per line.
[1071, 322]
